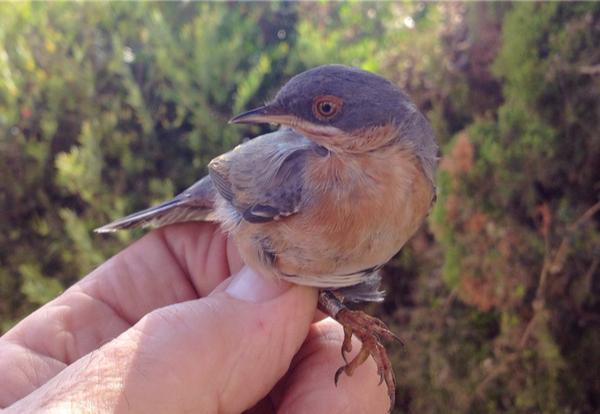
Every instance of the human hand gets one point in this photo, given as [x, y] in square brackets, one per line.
[161, 327]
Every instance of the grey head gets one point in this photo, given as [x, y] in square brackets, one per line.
[344, 97]
[340, 96]
[336, 106]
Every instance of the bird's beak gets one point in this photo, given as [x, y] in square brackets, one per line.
[268, 114]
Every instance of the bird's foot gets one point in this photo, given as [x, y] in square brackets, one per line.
[370, 331]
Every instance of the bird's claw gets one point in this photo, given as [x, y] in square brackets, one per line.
[346, 345]
[370, 331]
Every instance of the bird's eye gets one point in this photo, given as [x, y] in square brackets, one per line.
[326, 107]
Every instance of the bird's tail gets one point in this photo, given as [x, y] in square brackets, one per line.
[194, 204]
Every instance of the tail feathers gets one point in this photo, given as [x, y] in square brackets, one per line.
[172, 211]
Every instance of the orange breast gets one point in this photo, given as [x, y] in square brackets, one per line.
[360, 211]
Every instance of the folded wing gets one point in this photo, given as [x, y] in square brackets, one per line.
[262, 180]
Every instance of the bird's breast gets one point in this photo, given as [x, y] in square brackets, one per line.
[357, 214]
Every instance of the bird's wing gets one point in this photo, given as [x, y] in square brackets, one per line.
[194, 204]
[263, 178]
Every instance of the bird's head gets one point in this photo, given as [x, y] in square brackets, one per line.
[343, 109]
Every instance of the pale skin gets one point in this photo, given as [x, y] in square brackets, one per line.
[161, 327]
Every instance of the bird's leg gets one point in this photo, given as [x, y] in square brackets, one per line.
[370, 331]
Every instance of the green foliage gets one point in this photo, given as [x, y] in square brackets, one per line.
[106, 108]
[37, 288]
[515, 183]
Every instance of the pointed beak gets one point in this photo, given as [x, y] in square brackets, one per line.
[270, 114]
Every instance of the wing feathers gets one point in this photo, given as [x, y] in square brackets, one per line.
[263, 178]
[194, 204]
[140, 218]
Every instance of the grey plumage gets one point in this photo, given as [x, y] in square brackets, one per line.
[196, 203]
[354, 85]
[262, 179]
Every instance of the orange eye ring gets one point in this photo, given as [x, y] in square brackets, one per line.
[326, 107]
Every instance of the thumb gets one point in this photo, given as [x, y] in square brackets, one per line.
[263, 324]
[228, 350]
[222, 353]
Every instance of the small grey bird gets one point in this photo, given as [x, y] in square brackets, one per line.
[327, 199]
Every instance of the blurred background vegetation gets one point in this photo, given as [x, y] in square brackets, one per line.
[107, 108]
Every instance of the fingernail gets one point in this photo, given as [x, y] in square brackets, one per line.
[249, 286]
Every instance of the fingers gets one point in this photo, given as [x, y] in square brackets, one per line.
[174, 264]
[309, 386]
[222, 353]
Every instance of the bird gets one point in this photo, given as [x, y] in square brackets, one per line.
[325, 200]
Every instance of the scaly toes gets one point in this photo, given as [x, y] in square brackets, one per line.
[347, 344]
[358, 360]
[386, 372]
[370, 331]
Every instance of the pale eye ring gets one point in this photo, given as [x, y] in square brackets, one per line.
[326, 107]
